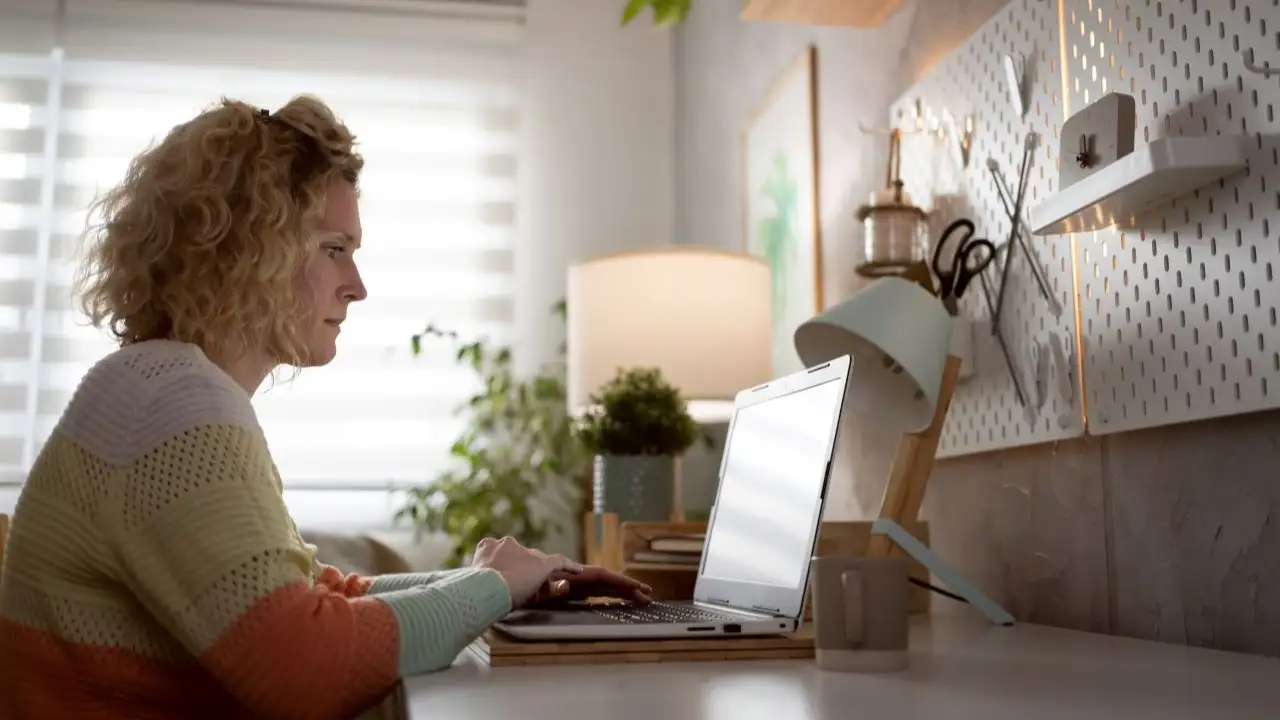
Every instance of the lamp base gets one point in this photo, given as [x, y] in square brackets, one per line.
[941, 570]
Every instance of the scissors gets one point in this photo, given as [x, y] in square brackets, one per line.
[961, 265]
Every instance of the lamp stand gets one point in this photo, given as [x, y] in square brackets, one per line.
[904, 495]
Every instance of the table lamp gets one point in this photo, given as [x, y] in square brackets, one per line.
[700, 316]
[898, 333]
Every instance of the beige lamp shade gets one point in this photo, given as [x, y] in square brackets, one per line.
[701, 316]
[899, 335]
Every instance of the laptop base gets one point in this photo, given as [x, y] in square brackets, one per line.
[555, 624]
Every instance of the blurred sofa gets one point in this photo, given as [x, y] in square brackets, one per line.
[377, 553]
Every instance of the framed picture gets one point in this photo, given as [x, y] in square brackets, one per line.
[780, 206]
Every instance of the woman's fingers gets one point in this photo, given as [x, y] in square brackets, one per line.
[599, 575]
[594, 580]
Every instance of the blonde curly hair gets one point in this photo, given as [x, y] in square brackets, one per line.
[204, 239]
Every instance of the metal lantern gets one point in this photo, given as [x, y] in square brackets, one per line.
[895, 231]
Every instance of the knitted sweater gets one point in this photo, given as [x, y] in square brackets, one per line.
[153, 571]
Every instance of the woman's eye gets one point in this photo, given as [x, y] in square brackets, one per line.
[332, 251]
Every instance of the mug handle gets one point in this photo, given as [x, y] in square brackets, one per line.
[852, 581]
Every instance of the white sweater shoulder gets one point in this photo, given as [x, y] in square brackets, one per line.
[145, 394]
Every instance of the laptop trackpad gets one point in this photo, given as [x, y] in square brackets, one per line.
[526, 618]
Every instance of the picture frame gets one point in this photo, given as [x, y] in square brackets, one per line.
[780, 201]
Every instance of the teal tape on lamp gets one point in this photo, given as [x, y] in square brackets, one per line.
[898, 334]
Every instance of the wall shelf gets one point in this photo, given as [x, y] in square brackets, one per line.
[1150, 175]
[845, 13]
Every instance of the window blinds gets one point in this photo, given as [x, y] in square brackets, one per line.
[434, 102]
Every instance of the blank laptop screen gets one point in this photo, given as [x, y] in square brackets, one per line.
[775, 464]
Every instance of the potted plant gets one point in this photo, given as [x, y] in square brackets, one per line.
[517, 468]
[636, 427]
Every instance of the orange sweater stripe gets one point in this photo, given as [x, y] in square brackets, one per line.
[301, 651]
[43, 677]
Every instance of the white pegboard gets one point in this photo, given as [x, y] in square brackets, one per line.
[1179, 315]
[985, 413]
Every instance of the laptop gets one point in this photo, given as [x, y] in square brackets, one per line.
[760, 537]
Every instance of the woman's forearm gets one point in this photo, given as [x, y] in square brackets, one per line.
[380, 584]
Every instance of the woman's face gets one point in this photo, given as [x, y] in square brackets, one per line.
[330, 274]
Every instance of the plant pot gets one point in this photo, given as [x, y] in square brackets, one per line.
[636, 487]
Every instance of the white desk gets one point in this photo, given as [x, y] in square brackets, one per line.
[962, 667]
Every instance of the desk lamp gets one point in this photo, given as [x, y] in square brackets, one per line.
[699, 315]
[898, 333]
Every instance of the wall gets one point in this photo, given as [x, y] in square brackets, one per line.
[1171, 534]
[598, 166]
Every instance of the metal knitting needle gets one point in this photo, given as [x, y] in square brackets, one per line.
[995, 330]
[1008, 361]
[1004, 348]
[1024, 170]
[1002, 189]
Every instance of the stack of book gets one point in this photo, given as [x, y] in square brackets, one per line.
[672, 549]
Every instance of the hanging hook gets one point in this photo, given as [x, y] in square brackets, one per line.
[916, 121]
[961, 141]
[862, 127]
[1265, 71]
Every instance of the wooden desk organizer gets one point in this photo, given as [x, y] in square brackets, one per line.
[499, 650]
[622, 540]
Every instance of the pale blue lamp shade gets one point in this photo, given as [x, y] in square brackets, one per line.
[898, 334]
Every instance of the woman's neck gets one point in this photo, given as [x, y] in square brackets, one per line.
[248, 370]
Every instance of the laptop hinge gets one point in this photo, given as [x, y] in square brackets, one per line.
[719, 604]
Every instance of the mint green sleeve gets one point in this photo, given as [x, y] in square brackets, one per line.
[380, 584]
[436, 622]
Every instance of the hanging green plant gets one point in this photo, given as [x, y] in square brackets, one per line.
[665, 12]
[517, 469]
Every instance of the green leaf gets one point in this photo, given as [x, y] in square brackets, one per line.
[670, 12]
[633, 9]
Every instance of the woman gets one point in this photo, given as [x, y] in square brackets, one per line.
[152, 568]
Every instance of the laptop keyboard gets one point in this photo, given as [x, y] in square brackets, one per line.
[660, 613]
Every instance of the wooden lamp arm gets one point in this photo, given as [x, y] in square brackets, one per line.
[913, 464]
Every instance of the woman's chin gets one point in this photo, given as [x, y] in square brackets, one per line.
[320, 354]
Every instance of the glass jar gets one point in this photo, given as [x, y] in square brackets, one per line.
[895, 234]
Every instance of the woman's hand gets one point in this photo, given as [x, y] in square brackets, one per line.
[590, 581]
[534, 577]
[524, 570]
